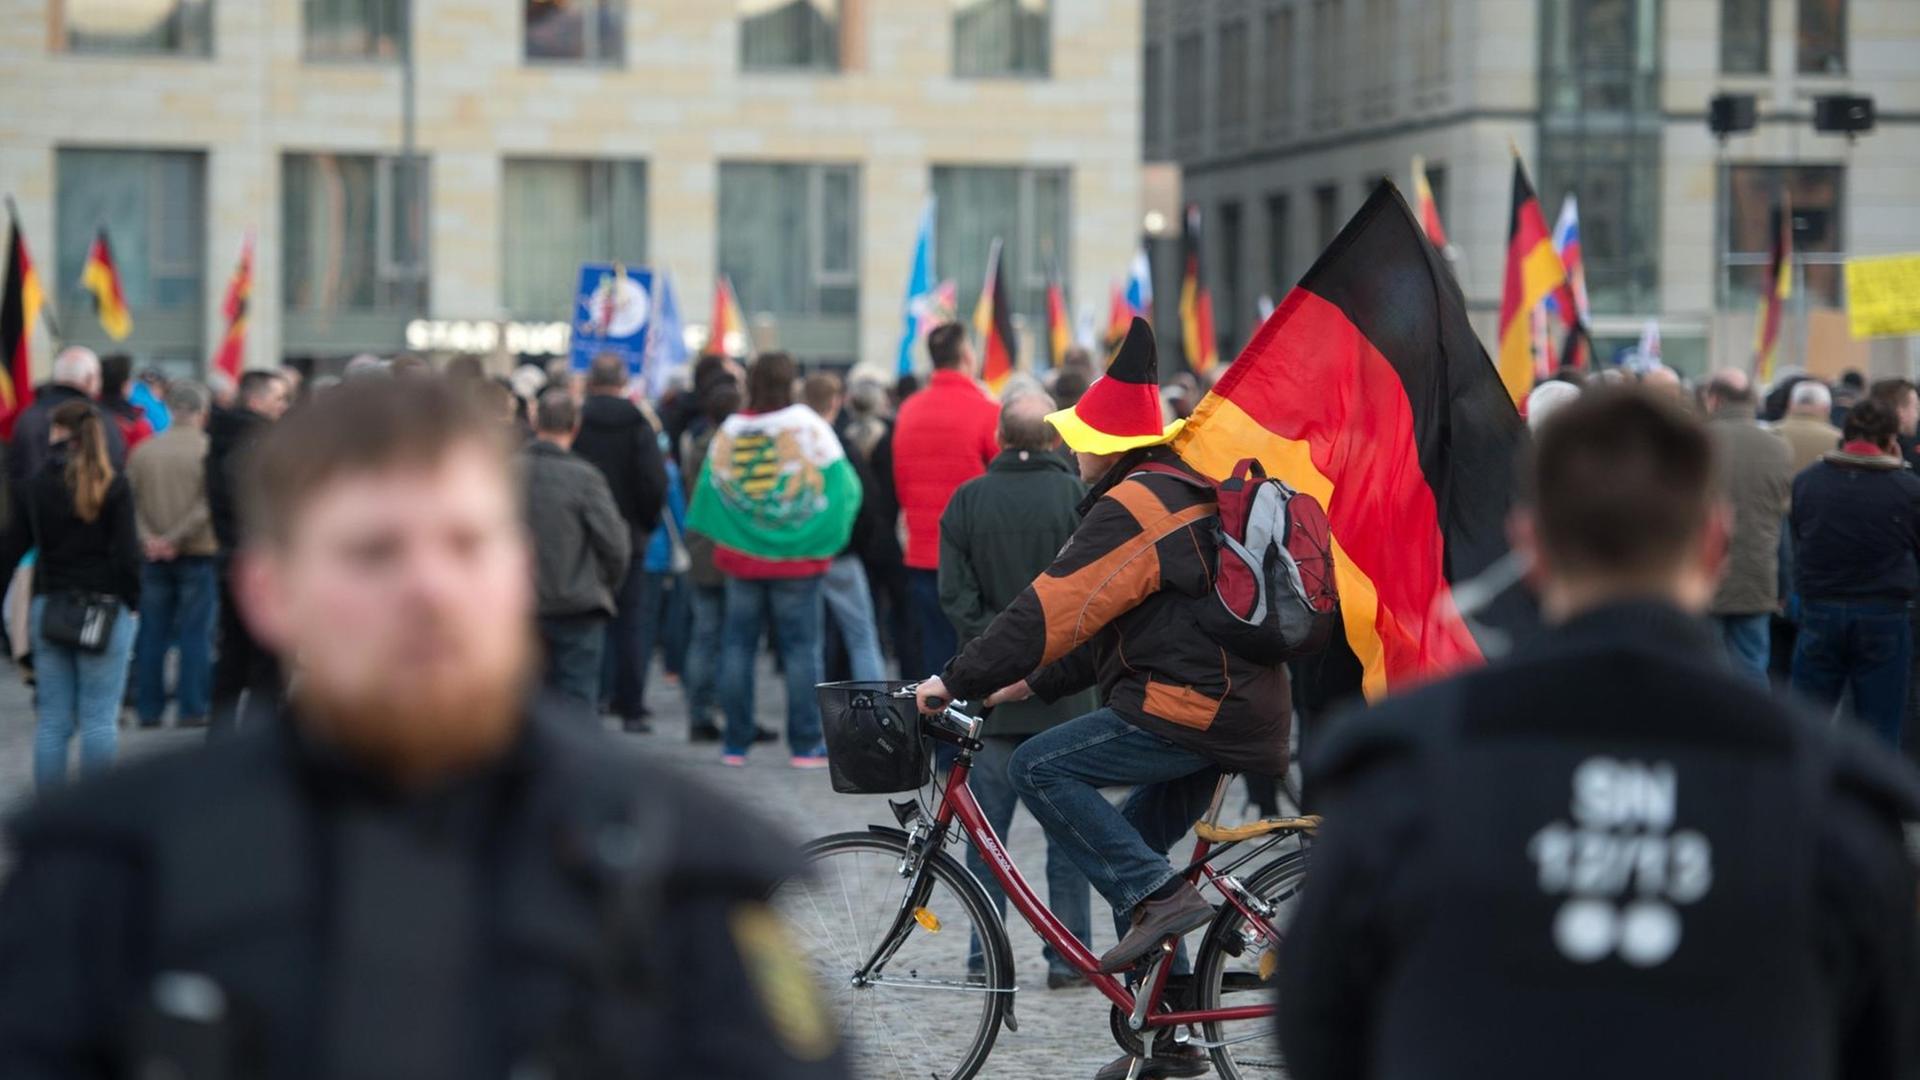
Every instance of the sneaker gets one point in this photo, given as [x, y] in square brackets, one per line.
[734, 761]
[1153, 922]
[813, 759]
[1169, 1059]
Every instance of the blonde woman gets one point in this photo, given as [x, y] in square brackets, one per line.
[77, 512]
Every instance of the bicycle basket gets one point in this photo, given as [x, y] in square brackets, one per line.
[874, 742]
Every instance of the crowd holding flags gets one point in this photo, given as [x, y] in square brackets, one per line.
[1196, 302]
[233, 345]
[102, 278]
[1368, 389]
[20, 307]
[1533, 273]
[1773, 303]
[993, 322]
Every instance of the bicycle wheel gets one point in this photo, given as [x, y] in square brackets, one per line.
[1236, 966]
[921, 1013]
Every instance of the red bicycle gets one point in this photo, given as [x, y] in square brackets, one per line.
[891, 922]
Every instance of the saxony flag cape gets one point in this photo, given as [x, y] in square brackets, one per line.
[776, 486]
[1367, 389]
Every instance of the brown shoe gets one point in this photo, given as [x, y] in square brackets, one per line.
[1168, 1060]
[1154, 920]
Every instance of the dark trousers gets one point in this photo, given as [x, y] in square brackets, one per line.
[176, 609]
[1862, 645]
[573, 646]
[245, 674]
[623, 685]
[938, 642]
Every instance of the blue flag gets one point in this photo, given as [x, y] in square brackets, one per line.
[920, 287]
[666, 337]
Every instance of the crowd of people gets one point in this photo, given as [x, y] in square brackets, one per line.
[1820, 582]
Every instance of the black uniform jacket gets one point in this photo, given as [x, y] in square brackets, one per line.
[1118, 608]
[1605, 857]
[260, 908]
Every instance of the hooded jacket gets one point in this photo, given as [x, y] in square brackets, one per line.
[1118, 608]
[945, 436]
[618, 439]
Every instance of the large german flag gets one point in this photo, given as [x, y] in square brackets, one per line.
[993, 321]
[1196, 303]
[19, 307]
[1367, 389]
[102, 278]
[1533, 273]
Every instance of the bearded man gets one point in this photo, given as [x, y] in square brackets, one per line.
[423, 872]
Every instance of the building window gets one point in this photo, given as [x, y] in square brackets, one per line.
[356, 29]
[559, 214]
[152, 206]
[790, 242]
[1002, 37]
[789, 35]
[1601, 56]
[1026, 209]
[1326, 213]
[1279, 73]
[355, 234]
[1279, 241]
[1228, 297]
[1745, 26]
[1753, 192]
[1822, 42]
[1153, 98]
[1230, 85]
[1435, 30]
[591, 31]
[1329, 72]
[176, 27]
[1188, 105]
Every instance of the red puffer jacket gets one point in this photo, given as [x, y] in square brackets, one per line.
[944, 437]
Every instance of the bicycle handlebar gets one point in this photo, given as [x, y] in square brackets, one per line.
[956, 721]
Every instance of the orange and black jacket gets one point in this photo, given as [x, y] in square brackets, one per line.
[1117, 608]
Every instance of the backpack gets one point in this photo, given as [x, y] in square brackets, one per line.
[1274, 596]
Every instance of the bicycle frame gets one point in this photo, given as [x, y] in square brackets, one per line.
[959, 804]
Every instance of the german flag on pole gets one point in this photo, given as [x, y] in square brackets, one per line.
[233, 347]
[1367, 389]
[1059, 326]
[1425, 207]
[101, 278]
[1196, 303]
[727, 321]
[1533, 273]
[993, 321]
[1766, 338]
[19, 307]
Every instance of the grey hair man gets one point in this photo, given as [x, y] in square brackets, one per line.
[1756, 477]
[1806, 427]
[179, 578]
[76, 376]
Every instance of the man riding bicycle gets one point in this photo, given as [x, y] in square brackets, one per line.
[1118, 608]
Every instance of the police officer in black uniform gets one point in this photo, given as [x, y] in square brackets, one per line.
[421, 875]
[1607, 856]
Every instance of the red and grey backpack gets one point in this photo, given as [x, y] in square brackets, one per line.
[1274, 595]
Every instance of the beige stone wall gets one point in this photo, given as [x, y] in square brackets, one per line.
[680, 102]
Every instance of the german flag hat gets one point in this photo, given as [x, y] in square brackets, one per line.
[1121, 410]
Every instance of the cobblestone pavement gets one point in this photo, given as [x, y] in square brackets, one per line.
[1062, 1033]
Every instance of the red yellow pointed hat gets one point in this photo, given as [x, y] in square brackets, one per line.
[1121, 410]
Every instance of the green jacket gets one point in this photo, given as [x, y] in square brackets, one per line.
[997, 534]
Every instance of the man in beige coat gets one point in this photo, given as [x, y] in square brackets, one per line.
[1756, 476]
[179, 587]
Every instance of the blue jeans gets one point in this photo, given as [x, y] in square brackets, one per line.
[573, 647]
[178, 600]
[792, 607]
[1067, 894]
[78, 691]
[1123, 852]
[707, 606]
[1863, 644]
[1749, 641]
[845, 591]
[938, 641]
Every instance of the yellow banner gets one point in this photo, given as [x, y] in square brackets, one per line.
[1883, 296]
